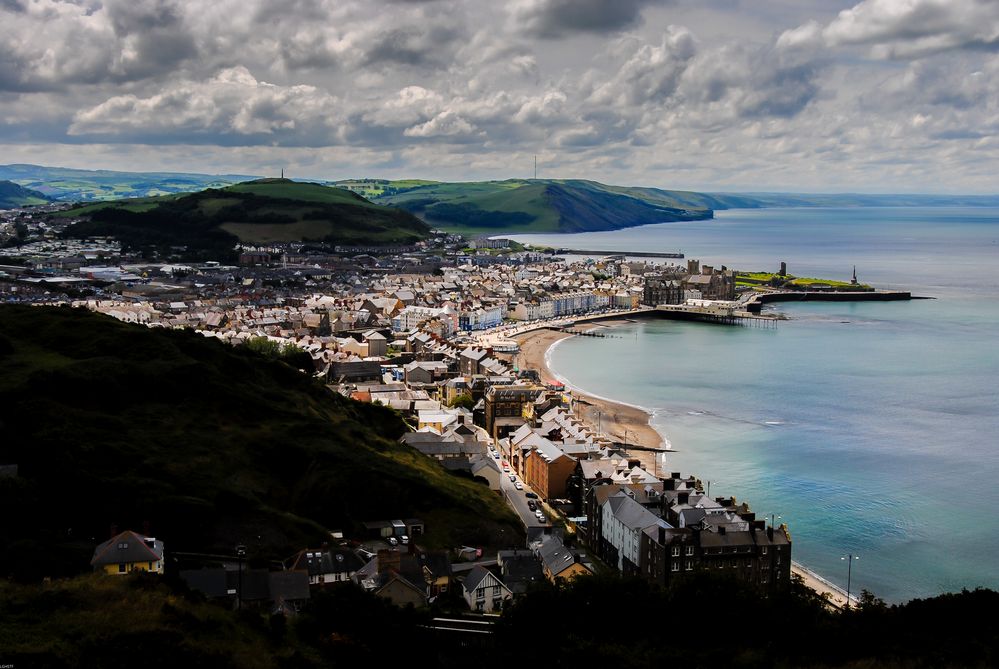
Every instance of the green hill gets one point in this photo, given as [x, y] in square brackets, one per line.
[72, 185]
[13, 195]
[536, 205]
[110, 423]
[209, 224]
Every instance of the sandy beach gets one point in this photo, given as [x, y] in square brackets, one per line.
[620, 422]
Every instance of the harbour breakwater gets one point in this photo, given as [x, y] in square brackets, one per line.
[755, 303]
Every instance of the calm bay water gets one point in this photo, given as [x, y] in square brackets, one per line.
[871, 428]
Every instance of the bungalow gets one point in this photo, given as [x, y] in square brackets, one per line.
[128, 552]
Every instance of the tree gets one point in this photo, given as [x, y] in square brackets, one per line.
[463, 401]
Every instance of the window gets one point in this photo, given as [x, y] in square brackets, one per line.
[764, 578]
[690, 550]
[480, 593]
[122, 545]
[676, 551]
[689, 566]
[121, 568]
[676, 565]
[496, 591]
[764, 550]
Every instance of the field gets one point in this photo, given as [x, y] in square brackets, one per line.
[70, 185]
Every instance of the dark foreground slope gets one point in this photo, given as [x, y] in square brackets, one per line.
[110, 423]
[707, 621]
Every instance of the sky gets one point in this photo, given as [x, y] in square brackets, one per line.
[725, 95]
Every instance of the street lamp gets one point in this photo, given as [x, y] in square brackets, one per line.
[773, 517]
[240, 553]
[849, 572]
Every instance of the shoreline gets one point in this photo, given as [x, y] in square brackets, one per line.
[621, 422]
[616, 417]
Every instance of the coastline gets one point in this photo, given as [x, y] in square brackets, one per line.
[616, 417]
[619, 421]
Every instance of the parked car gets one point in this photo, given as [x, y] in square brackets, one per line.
[542, 519]
[513, 477]
[537, 513]
[518, 485]
[404, 540]
[532, 505]
[530, 495]
[392, 541]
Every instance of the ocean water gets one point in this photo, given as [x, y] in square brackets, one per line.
[870, 428]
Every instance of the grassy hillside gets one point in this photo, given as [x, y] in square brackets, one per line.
[112, 423]
[13, 195]
[541, 205]
[211, 222]
[62, 183]
[112, 622]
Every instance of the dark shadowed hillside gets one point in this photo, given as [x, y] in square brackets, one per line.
[110, 423]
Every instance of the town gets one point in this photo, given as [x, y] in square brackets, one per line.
[432, 331]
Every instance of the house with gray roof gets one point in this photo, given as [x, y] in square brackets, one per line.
[127, 552]
[484, 591]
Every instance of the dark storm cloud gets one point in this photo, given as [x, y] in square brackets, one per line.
[559, 18]
[11, 5]
[411, 46]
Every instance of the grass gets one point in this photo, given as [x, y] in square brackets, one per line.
[211, 444]
[88, 621]
[545, 205]
[764, 278]
[210, 223]
[263, 233]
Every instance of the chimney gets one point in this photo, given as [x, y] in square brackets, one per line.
[682, 498]
[669, 484]
[145, 528]
[721, 529]
[662, 535]
[388, 559]
[675, 475]
[114, 531]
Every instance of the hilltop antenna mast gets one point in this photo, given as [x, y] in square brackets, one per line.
[535, 166]
[282, 173]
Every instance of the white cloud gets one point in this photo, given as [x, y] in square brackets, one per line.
[232, 102]
[907, 28]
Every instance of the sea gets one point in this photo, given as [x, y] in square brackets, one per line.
[870, 428]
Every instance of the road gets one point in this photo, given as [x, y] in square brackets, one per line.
[518, 501]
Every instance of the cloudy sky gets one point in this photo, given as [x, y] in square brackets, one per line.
[790, 95]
